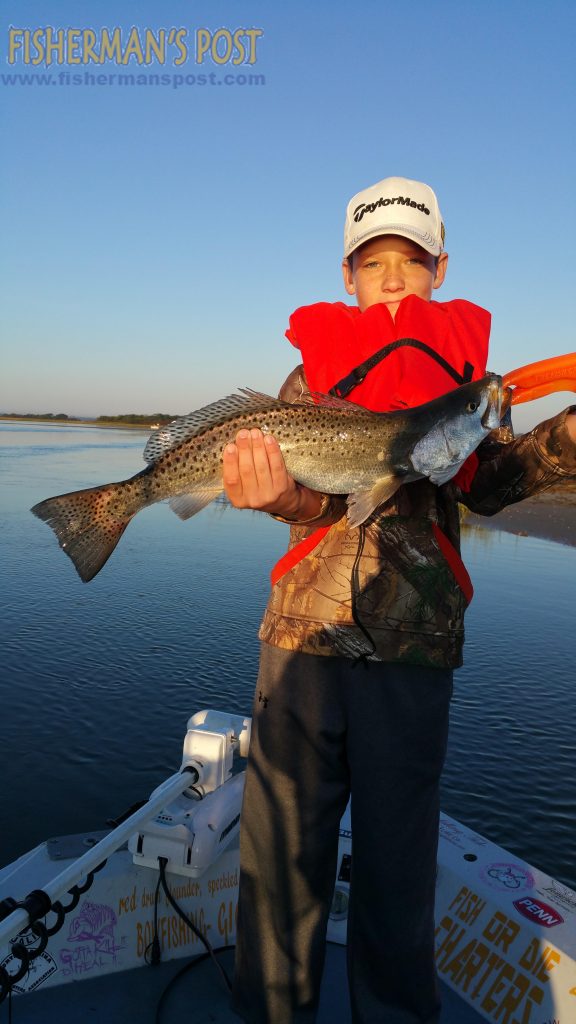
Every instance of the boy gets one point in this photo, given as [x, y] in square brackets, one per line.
[361, 636]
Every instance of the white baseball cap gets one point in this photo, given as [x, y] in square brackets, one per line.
[395, 206]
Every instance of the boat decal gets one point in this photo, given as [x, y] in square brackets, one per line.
[560, 894]
[453, 833]
[506, 876]
[492, 962]
[536, 910]
[92, 933]
[40, 969]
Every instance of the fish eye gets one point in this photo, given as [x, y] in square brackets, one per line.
[471, 406]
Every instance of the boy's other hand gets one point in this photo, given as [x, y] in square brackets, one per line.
[255, 476]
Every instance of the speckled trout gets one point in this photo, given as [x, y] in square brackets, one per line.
[328, 444]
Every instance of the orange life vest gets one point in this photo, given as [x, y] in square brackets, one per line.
[427, 349]
[334, 339]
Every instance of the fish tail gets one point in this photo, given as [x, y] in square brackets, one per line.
[88, 525]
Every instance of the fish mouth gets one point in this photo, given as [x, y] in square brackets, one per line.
[491, 416]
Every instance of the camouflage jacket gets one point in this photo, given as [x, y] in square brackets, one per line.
[386, 590]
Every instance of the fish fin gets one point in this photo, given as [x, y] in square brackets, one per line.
[185, 427]
[187, 505]
[341, 404]
[361, 504]
[86, 529]
[314, 398]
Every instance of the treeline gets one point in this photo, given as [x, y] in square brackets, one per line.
[35, 415]
[133, 417]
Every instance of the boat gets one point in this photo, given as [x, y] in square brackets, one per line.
[140, 923]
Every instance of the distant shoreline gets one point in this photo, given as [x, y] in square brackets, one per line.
[105, 425]
[548, 516]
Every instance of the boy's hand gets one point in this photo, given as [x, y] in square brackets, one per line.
[255, 476]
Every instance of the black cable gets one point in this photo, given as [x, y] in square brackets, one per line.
[183, 970]
[162, 861]
[154, 946]
[362, 658]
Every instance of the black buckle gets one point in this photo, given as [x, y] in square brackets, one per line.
[343, 388]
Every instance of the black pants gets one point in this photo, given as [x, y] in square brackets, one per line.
[324, 728]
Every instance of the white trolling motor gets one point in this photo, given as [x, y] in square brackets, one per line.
[193, 830]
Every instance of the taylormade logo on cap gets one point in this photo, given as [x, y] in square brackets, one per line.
[363, 208]
[395, 206]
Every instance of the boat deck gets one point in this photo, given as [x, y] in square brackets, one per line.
[198, 997]
[493, 916]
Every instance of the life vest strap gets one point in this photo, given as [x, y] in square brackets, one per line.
[343, 388]
[295, 555]
[459, 570]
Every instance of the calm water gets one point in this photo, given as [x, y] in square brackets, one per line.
[98, 680]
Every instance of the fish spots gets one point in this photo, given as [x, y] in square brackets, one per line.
[380, 456]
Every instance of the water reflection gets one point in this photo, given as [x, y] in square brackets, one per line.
[98, 680]
[512, 758]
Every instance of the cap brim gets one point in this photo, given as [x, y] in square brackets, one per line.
[426, 241]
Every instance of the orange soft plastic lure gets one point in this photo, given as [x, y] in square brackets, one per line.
[542, 378]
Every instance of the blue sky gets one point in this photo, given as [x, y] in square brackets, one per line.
[155, 239]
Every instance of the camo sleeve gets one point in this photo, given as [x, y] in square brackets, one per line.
[511, 468]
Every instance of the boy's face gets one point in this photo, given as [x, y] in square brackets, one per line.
[388, 268]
